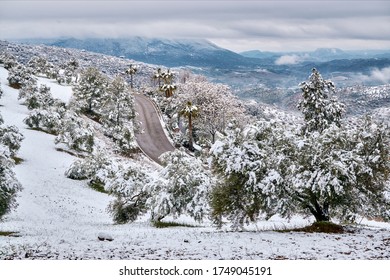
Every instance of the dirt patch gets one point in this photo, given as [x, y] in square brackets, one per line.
[321, 227]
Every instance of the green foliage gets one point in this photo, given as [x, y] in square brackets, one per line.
[9, 185]
[8, 233]
[321, 227]
[162, 224]
[182, 187]
[128, 210]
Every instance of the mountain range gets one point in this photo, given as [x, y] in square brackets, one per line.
[239, 70]
[167, 52]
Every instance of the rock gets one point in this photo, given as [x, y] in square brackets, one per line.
[104, 237]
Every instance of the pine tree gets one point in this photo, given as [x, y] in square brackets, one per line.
[182, 187]
[318, 108]
[119, 102]
[90, 91]
[76, 133]
[248, 163]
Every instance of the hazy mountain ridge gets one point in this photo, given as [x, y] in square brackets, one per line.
[248, 69]
[277, 85]
[168, 52]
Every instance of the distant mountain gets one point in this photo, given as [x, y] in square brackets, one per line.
[167, 52]
[260, 54]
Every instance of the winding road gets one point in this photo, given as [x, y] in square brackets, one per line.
[152, 139]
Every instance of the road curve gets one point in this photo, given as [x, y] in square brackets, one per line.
[151, 139]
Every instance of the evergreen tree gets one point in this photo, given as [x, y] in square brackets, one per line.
[318, 108]
[76, 133]
[38, 65]
[90, 91]
[48, 120]
[10, 139]
[128, 188]
[119, 103]
[9, 185]
[248, 163]
[19, 75]
[334, 170]
[8, 60]
[182, 187]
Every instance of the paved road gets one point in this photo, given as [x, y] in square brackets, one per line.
[152, 140]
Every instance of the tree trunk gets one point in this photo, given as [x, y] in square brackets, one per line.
[190, 142]
[320, 213]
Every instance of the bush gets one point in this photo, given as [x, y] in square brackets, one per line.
[76, 133]
[9, 185]
[48, 120]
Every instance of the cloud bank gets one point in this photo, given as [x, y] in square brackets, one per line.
[238, 25]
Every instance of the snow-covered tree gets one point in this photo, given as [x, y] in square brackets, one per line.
[124, 138]
[190, 111]
[19, 75]
[38, 65]
[9, 185]
[158, 76]
[10, 139]
[37, 97]
[118, 115]
[247, 163]
[76, 133]
[216, 103]
[168, 87]
[1, 91]
[119, 103]
[128, 186]
[132, 70]
[90, 91]
[48, 120]
[98, 168]
[8, 60]
[340, 173]
[319, 108]
[182, 187]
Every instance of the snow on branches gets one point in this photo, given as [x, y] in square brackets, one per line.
[10, 140]
[334, 170]
[318, 109]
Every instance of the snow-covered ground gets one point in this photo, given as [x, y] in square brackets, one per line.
[59, 218]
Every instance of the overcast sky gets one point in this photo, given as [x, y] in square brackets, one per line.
[236, 25]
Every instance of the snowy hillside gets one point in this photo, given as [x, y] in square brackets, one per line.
[59, 218]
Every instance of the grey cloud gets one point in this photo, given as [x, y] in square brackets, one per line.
[247, 22]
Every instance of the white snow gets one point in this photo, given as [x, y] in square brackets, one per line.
[59, 218]
[61, 92]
